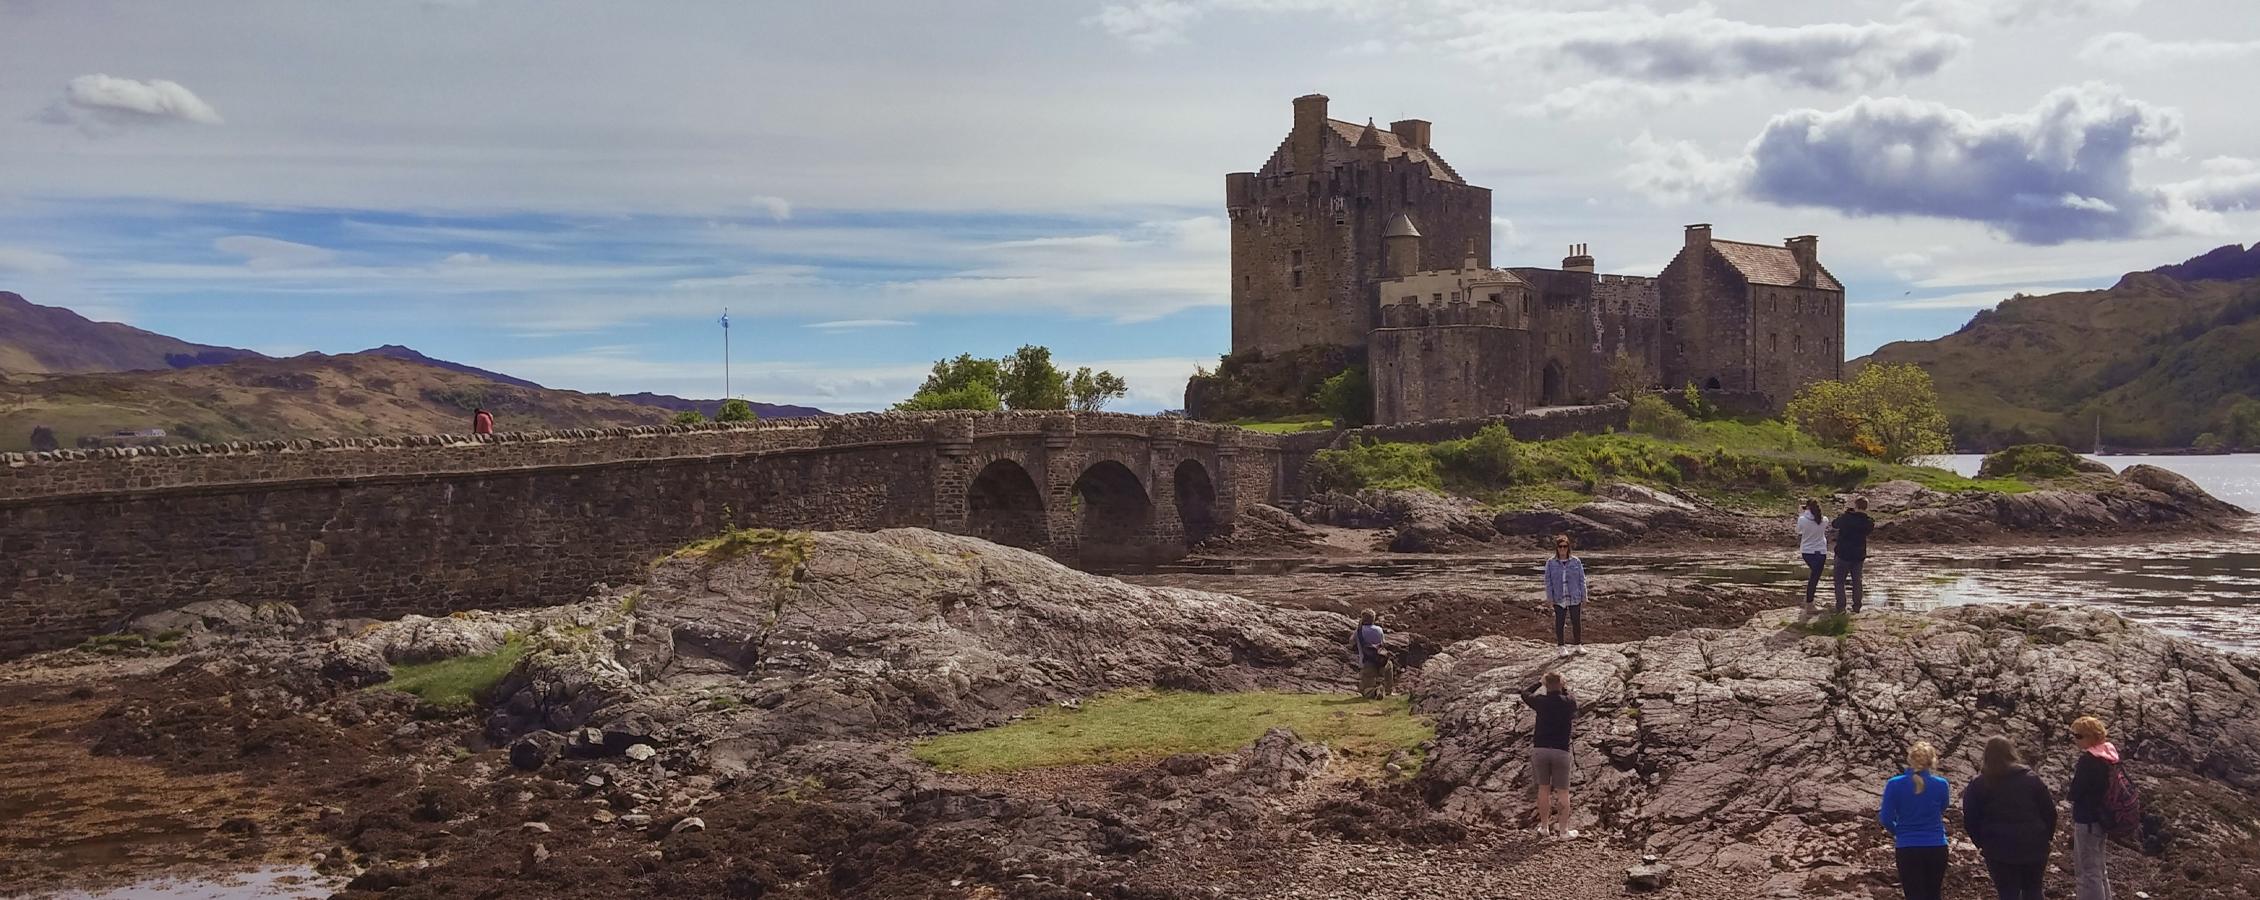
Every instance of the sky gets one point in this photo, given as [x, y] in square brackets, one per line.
[573, 192]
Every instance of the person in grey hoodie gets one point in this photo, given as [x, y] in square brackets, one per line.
[2011, 817]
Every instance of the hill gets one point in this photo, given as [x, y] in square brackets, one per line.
[2160, 359]
[709, 408]
[396, 351]
[51, 339]
[311, 396]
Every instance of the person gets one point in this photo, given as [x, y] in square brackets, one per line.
[1565, 589]
[2091, 778]
[1549, 751]
[1914, 808]
[1366, 643]
[482, 422]
[1852, 530]
[2011, 817]
[1812, 544]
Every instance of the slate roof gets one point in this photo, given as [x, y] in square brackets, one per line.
[1391, 148]
[1768, 264]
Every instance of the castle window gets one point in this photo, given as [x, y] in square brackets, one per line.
[1494, 298]
[1295, 259]
[1797, 343]
[1412, 300]
[1667, 326]
[1773, 343]
[1298, 277]
[1436, 298]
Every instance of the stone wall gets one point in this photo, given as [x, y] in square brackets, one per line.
[1535, 425]
[1446, 371]
[383, 527]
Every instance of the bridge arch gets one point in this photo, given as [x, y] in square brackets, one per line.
[1113, 514]
[1196, 501]
[1004, 506]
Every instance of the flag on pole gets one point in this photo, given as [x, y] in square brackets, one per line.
[725, 320]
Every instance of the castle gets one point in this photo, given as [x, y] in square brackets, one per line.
[1366, 240]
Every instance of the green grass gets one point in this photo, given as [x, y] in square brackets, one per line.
[1756, 466]
[457, 684]
[1288, 425]
[1831, 624]
[1141, 725]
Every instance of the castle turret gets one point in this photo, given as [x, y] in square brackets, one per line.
[1578, 260]
[1402, 247]
[1410, 132]
[1806, 248]
[1308, 142]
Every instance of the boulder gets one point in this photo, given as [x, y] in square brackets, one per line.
[1543, 524]
[353, 664]
[1647, 876]
[1261, 530]
[1892, 497]
[1644, 495]
[1424, 522]
[1759, 750]
[2180, 488]
[424, 639]
[536, 749]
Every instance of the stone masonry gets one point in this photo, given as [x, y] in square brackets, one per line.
[432, 524]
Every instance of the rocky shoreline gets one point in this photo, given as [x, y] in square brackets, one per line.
[739, 724]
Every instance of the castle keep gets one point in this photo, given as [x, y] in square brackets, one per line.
[1366, 240]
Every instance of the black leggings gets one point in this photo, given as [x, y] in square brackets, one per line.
[1813, 561]
[2016, 881]
[1922, 872]
[1575, 616]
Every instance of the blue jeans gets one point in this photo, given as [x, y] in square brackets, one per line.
[1814, 561]
[1574, 614]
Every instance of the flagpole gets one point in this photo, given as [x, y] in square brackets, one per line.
[725, 354]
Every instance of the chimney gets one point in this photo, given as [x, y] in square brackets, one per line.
[1698, 236]
[1411, 132]
[1401, 247]
[1309, 139]
[1468, 262]
[1578, 260]
[1806, 248]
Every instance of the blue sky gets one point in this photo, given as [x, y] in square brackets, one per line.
[572, 191]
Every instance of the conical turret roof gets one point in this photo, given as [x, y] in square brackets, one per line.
[1370, 139]
[1401, 226]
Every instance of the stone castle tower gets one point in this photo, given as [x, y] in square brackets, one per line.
[1309, 228]
[1351, 238]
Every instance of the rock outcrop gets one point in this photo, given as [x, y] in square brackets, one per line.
[1423, 522]
[1762, 750]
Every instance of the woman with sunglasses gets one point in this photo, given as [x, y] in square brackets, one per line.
[1565, 589]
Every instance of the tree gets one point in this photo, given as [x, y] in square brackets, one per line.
[689, 417]
[1090, 391]
[1347, 397]
[736, 411]
[1889, 412]
[1628, 377]
[2210, 443]
[974, 396]
[2243, 423]
[951, 375]
[1031, 381]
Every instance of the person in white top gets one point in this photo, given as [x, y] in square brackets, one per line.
[1812, 543]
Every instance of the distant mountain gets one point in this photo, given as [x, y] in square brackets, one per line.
[396, 351]
[2159, 359]
[709, 408]
[310, 396]
[50, 339]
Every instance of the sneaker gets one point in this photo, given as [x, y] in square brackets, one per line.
[1569, 835]
[1542, 831]
[1578, 650]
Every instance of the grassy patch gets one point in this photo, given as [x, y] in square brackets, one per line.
[1287, 425]
[1832, 624]
[457, 684]
[785, 551]
[131, 644]
[1755, 466]
[1137, 725]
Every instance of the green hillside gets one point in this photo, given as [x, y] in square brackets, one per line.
[2158, 360]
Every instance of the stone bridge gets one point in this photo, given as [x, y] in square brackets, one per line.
[384, 527]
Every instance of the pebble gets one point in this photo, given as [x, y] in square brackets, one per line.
[535, 827]
[636, 820]
[602, 817]
[641, 752]
[690, 823]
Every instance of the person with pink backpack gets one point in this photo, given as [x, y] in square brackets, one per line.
[2104, 807]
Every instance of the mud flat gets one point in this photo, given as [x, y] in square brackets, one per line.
[743, 723]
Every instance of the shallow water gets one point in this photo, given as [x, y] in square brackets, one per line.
[2234, 477]
[278, 883]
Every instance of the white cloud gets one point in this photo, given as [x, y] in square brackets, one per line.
[1966, 13]
[2062, 171]
[1504, 234]
[272, 253]
[2127, 50]
[1606, 97]
[758, 277]
[101, 104]
[27, 261]
[777, 208]
[466, 259]
[858, 324]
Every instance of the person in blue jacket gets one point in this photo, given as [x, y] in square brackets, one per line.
[1914, 808]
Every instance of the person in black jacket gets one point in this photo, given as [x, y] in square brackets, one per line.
[2091, 781]
[2011, 817]
[1549, 751]
[1852, 530]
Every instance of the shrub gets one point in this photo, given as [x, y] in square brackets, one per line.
[1488, 458]
[1376, 465]
[689, 417]
[2030, 461]
[1654, 415]
[1887, 412]
[1347, 397]
[975, 396]
[735, 411]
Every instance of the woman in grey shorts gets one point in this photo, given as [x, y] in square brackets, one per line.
[1549, 751]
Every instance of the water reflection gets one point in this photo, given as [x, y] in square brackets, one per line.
[268, 884]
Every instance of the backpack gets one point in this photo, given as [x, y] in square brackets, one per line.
[2122, 808]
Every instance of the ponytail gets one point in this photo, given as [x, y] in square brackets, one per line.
[1922, 757]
